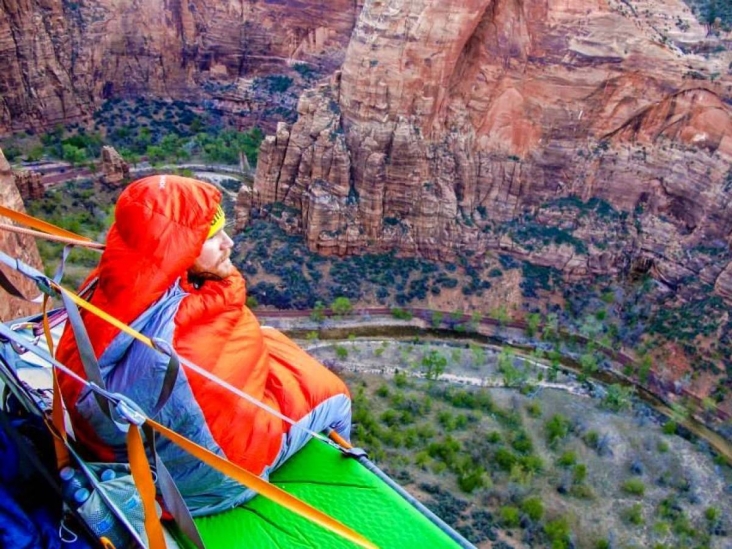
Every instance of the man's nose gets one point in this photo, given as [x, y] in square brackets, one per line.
[227, 242]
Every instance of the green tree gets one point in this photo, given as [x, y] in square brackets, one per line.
[618, 397]
[478, 353]
[500, 314]
[436, 319]
[341, 306]
[644, 369]
[318, 312]
[434, 364]
[588, 361]
[401, 314]
[532, 323]
[73, 154]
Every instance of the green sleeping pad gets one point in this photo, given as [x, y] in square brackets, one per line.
[340, 487]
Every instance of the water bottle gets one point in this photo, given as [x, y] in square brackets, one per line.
[108, 527]
[71, 482]
[80, 496]
[107, 474]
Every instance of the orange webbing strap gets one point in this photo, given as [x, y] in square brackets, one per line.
[39, 224]
[262, 487]
[143, 480]
[339, 440]
[57, 411]
[59, 430]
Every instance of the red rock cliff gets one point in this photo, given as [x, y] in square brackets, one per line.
[455, 125]
[59, 60]
[17, 246]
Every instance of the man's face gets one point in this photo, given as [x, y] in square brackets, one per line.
[213, 262]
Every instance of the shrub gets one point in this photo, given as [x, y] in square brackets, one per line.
[533, 507]
[634, 514]
[400, 379]
[558, 532]
[712, 515]
[533, 409]
[401, 314]
[567, 459]
[341, 352]
[510, 516]
[591, 439]
[618, 397]
[557, 428]
[634, 487]
[579, 473]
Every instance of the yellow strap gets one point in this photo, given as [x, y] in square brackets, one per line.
[39, 224]
[262, 487]
[104, 316]
[143, 480]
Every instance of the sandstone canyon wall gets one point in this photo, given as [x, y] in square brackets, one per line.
[455, 125]
[18, 246]
[59, 60]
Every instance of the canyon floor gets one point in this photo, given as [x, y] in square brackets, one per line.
[613, 478]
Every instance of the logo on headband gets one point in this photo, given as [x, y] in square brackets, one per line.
[218, 221]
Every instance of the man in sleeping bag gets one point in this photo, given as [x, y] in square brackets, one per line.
[166, 272]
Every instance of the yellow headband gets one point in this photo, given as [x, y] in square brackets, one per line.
[218, 221]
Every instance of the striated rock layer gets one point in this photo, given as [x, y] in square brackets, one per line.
[457, 125]
[18, 246]
[60, 60]
[115, 170]
[29, 184]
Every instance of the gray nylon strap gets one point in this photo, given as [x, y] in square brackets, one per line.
[86, 352]
[171, 495]
[171, 374]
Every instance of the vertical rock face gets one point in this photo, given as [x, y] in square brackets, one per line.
[115, 171]
[452, 120]
[59, 60]
[17, 246]
[29, 184]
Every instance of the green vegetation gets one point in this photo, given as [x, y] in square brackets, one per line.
[708, 11]
[341, 306]
[83, 208]
[634, 487]
[161, 131]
